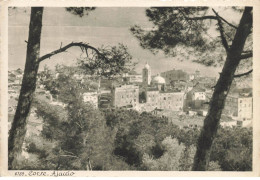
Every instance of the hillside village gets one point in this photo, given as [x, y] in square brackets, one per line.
[179, 97]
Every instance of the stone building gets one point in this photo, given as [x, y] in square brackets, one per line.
[125, 95]
[195, 98]
[198, 94]
[239, 106]
[164, 100]
[155, 92]
[157, 97]
[133, 77]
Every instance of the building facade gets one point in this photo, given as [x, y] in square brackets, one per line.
[245, 108]
[91, 97]
[195, 98]
[125, 95]
[199, 95]
[239, 106]
[156, 99]
[137, 78]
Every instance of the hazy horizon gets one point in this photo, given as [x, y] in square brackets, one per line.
[103, 26]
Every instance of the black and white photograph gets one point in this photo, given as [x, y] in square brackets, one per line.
[155, 88]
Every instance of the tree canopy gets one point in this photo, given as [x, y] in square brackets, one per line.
[196, 33]
[186, 30]
[106, 62]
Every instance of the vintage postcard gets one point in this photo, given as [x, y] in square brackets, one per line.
[130, 88]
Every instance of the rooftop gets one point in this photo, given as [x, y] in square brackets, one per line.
[240, 95]
[198, 89]
[171, 91]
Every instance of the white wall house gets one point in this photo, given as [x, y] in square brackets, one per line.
[91, 97]
[199, 95]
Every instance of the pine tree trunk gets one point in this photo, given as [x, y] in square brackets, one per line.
[18, 129]
[222, 87]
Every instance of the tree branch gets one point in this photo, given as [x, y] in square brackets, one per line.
[221, 30]
[243, 74]
[201, 18]
[247, 55]
[65, 155]
[62, 49]
[198, 18]
[224, 19]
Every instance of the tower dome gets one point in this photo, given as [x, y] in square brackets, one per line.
[147, 66]
[158, 80]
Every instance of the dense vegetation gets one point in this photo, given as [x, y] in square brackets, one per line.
[80, 137]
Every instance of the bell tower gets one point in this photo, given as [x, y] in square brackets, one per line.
[147, 74]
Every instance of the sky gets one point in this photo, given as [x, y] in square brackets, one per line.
[103, 26]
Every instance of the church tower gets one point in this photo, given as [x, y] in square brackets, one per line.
[147, 74]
